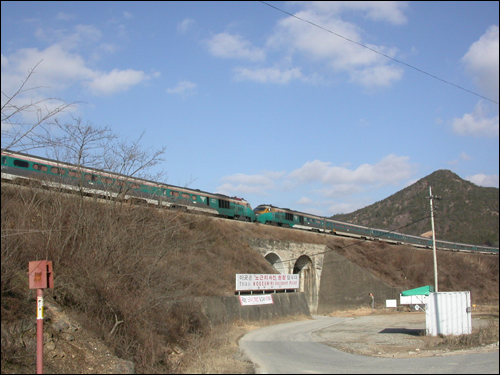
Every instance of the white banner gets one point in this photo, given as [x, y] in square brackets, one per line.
[254, 299]
[249, 281]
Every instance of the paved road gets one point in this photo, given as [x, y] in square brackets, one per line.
[291, 349]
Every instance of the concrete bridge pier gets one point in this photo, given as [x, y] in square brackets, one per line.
[328, 280]
[295, 258]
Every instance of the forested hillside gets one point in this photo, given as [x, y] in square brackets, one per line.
[465, 213]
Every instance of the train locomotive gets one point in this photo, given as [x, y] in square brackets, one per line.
[21, 168]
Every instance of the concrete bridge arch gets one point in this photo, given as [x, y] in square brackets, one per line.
[276, 262]
[295, 258]
[343, 284]
[304, 266]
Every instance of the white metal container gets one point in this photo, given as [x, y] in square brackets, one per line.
[448, 313]
[419, 299]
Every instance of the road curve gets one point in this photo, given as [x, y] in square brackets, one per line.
[291, 349]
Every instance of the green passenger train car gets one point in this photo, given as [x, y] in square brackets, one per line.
[23, 168]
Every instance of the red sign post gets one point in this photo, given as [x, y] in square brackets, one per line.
[40, 278]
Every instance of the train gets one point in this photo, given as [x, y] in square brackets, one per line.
[21, 168]
[285, 217]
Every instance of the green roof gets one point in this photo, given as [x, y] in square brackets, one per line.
[423, 290]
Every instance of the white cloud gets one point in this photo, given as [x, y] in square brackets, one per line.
[249, 184]
[390, 170]
[128, 15]
[116, 81]
[482, 62]
[183, 88]
[234, 47]
[361, 64]
[389, 11]
[477, 123]
[481, 179]
[184, 26]
[340, 190]
[333, 182]
[304, 201]
[60, 66]
[464, 156]
[379, 75]
[62, 16]
[5, 61]
[57, 70]
[79, 35]
[265, 75]
[344, 208]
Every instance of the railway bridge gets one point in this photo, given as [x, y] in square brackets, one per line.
[329, 281]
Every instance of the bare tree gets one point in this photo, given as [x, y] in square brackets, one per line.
[130, 159]
[87, 145]
[15, 131]
[76, 142]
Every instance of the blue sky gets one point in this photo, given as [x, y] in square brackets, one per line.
[252, 102]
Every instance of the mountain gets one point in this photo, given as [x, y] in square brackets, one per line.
[465, 213]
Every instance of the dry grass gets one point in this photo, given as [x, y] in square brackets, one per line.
[219, 352]
[363, 311]
[141, 266]
[118, 263]
[485, 334]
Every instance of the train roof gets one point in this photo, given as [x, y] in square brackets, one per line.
[115, 174]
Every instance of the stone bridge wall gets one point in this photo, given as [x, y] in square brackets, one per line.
[329, 281]
[228, 309]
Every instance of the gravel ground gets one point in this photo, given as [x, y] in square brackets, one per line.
[398, 335]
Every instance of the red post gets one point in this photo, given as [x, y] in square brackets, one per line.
[39, 331]
[40, 276]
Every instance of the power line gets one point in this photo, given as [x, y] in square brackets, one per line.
[380, 53]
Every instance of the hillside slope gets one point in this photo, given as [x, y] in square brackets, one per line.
[126, 277]
[465, 213]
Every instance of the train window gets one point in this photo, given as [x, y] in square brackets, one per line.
[58, 170]
[74, 174]
[288, 216]
[106, 180]
[120, 183]
[223, 203]
[134, 185]
[21, 163]
[90, 177]
[40, 167]
[174, 193]
[185, 195]
[193, 197]
[4, 160]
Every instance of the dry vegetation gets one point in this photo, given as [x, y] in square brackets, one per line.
[126, 274]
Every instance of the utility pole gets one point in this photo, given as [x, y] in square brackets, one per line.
[434, 243]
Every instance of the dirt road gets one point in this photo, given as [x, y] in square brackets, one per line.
[298, 347]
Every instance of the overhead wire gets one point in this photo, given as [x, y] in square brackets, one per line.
[380, 53]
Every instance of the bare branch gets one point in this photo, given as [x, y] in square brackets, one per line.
[15, 132]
